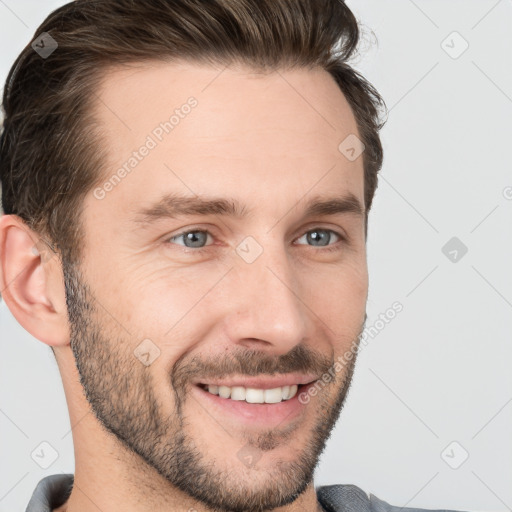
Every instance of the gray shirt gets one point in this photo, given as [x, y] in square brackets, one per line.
[54, 490]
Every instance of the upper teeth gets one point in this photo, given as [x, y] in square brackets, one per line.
[252, 395]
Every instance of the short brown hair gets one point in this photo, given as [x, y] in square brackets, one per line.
[50, 154]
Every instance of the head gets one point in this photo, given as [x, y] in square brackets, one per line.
[196, 178]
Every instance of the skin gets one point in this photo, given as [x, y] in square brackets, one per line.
[142, 440]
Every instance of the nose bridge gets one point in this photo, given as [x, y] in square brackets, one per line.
[267, 299]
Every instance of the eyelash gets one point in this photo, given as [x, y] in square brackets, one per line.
[200, 250]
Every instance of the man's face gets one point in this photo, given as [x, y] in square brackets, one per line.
[164, 305]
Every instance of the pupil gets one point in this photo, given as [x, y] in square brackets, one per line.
[193, 237]
[314, 235]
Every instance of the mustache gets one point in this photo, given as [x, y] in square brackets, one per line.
[248, 362]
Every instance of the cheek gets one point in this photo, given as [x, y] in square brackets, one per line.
[146, 296]
[338, 297]
[174, 310]
[347, 283]
[161, 311]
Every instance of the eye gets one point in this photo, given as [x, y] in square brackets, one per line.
[193, 239]
[196, 239]
[320, 237]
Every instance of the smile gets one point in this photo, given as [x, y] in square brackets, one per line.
[253, 395]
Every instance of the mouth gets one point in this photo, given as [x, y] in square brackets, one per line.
[255, 395]
[263, 407]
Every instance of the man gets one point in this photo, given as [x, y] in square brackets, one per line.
[186, 187]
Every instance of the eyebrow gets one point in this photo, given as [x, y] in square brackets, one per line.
[174, 205]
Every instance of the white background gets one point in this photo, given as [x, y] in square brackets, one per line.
[440, 371]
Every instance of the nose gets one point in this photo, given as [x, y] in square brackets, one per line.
[267, 309]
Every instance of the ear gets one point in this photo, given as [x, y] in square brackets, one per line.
[31, 282]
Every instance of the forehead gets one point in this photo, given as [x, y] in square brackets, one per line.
[210, 129]
[138, 89]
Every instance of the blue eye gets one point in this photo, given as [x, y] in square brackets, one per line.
[196, 239]
[192, 238]
[323, 236]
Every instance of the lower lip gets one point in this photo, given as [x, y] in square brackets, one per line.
[265, 415]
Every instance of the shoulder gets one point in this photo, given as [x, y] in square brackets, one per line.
[51, 492]
[350, 498]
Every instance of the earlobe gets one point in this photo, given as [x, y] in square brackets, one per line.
[28, 268]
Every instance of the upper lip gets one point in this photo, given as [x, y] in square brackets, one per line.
[267, 382]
